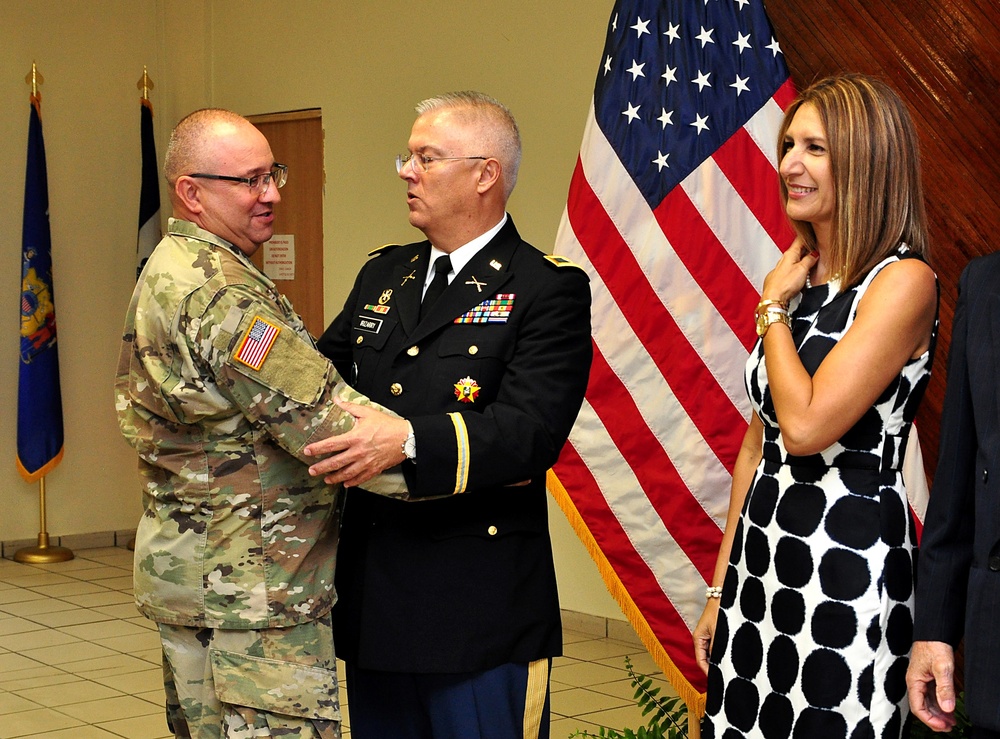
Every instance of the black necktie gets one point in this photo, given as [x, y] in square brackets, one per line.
[442, 266]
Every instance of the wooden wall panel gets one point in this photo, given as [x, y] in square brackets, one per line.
[943, 56]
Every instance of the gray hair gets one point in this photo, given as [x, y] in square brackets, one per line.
[496, 124]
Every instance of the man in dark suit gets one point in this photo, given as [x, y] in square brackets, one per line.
[958, 576]
[448, 614]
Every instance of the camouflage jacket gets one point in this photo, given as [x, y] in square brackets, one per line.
[219, 387]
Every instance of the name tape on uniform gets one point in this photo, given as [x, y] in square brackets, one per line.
[371, 325]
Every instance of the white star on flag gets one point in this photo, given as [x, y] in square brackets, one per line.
[702, 80]
[741, 85]
[742, 42]
[701, 123]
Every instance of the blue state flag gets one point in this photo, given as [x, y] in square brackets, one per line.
[39, 401]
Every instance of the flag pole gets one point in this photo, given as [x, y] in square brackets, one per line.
[43, 553]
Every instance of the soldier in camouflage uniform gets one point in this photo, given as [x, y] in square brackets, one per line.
[219, 387]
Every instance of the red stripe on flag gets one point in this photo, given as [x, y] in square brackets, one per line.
[785, 94]
[755, 179]
[639, 582]
[688, 523]
[721, 279]
[692, 383]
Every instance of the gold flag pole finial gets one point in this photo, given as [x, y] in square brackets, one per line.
[34, 78]
[145, 84]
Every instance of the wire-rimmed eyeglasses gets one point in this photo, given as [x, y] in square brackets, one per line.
[421, 163]
[258, 184]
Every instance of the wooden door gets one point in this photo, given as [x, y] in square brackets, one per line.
[296, 139]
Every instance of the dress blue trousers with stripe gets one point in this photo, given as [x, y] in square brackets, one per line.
[507, 702]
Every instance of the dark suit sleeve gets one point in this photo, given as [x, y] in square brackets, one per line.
[946, 549]
[335, 343]
[519, 435]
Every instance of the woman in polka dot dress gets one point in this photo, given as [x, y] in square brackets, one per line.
[808, 624]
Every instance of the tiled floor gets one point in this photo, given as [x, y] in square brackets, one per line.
[78, 662]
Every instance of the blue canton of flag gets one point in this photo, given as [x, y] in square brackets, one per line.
[678, 79]
[39, 400]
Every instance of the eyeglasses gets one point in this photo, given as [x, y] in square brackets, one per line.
[258, 184]
[421, 163]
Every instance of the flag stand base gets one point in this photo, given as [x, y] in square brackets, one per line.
[43, 553]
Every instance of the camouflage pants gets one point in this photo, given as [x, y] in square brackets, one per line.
[224, 683]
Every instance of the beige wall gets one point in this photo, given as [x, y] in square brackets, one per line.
[364, 64]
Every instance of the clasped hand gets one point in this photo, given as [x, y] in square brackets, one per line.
[373, 445]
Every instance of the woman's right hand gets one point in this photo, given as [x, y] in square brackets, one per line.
[788, 277]
[704, 633]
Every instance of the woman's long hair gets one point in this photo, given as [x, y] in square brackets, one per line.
[875, 163]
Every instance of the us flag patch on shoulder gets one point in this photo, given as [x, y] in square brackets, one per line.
[257, 343]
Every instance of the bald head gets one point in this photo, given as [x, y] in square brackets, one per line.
[193, 143]
[228, 147]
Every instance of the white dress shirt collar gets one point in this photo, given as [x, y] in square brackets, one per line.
[463, 254]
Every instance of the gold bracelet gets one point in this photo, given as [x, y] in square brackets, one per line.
[769, 317]
[762, 305]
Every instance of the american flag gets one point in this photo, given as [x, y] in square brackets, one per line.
[673, 210]
[257, 343]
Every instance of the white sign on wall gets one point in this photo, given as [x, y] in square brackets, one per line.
[279, 257]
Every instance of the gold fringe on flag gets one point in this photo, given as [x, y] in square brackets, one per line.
[694, 700]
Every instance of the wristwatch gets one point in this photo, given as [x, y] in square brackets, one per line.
[766, 318]
[410, 444]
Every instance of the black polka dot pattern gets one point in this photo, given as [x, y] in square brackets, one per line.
[816, 614]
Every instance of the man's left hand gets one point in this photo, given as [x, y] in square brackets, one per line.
[373, 445]
[930, 684]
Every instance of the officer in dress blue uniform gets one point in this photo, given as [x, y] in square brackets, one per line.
[448, 616]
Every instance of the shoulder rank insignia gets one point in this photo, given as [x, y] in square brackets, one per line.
[561, 261]
[379, 250]
[257, 342]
